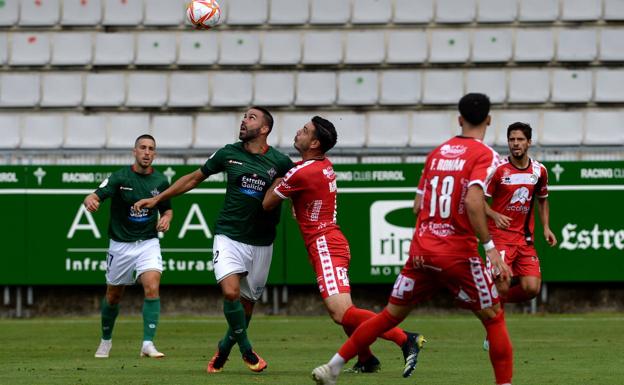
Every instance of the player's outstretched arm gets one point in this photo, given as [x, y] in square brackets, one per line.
[182, 185]
[92, 202]
[543, 208]
[271, 199]
[501, 221]
[164, 221]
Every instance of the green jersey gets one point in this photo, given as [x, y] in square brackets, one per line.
[249, 176]
[126, 187]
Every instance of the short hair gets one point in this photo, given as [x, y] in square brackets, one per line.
[474, 108]
[325, 132]
[144, 136]
[519, 126]
[268, 118]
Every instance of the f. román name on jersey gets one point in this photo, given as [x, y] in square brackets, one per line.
[448, 164]
[8, 177]
[574, 238]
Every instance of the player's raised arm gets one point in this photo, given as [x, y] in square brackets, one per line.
[182, 185]
[92, 202]
[271, 199]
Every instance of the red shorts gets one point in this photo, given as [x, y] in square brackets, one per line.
[330, 256]
[522, 259]
[465, 277]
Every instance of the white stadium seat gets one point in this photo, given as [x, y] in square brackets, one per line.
[413, 11]
[289, 12]
[231, 89]
[30, 49]
[156, 49]
[492, 45]
[114, 49]
[316, 88]
[450, 46]
[388, 129]
[41, 131]
[579, 10]
[442, 87]
[502, 119]
[538, 10]
[10, 128]
[281, 48]
[274, 88]
[612, 44]
[534, 45]
[9, 13]
[105, 90]
[493, 83]
[455, 11]
[613, 10]
[287, 124]
[570, 86]
[357, 88]
[80, 12]
[400, 87]
[126, 12]
[330, 11]
[173, 131]
[577, 45]
[146, 89]
[323, 47]
[189, 89]
[196, 48]
[19, 90]
[407, 47]
[351, 128]
[61, 89]
[430, 129]
[215, 130]
[39, 13]
[609, 86]
[365, 47]
[72, 48]
[239, 48]
[371, 11]
[562, 128]
[604, 128]
[529, 86]
[123, 129]
[4, 48]
[247, 12]
[497, 11]
[164, 12]
[85, 131]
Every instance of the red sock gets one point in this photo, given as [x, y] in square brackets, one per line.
[501, 353]
[517, 294]
[367, 333]
[354, 316]
[363, 354]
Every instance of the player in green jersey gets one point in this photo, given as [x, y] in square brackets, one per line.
[244, 232]
[134, 246]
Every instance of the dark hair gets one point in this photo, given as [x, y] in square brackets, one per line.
[325, 132]
[519, 126]
[144, 136]
[474, 108]
[268, 118]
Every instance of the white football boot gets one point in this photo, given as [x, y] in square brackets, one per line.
[149, 350]
[104, 349]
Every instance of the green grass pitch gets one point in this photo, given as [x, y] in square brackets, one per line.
[551, 349]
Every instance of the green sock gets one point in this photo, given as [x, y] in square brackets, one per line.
[151, 313]
[235, 316]
[109, 314]
[228, 341]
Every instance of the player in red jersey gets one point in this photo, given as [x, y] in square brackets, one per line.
[450, 208]
[311, 185]
[517, 181]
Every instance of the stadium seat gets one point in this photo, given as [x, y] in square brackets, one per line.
[493, 83]
[350, 126]
[529, 86]
[604, 128]
[39, 13]
[613, 10]
[114, 49]
[371, 12]
[455, 11]
[388, 129]
[85, 131]
[492, 45]
[123, 12]
[19, 90]
[330, 11]
[105, 90]
[577, 45]
[72, 48]
[146, 89]
[571, 86]
[502, 119]
[30, 49]
[281, 48]
[4, 48]
[324, 47]
[365, 47]
[612, 44]
[430, 129]
[413, 11]
[289, 12]
[61, 89]
[442, 87]
[357, 88]
[497, 11]
[42, 131]
[215, 130]
[400, 87]
[123, 129]
[197, 48]
[10, 129]
[156, 49]
[9, 13]
[247, 12]
[81, 12]
[173, 131]
[288, 123]
[407, 47]
[534, 45]
[538, 10]
[274, 88]
[581, 10]
[609, 86]
[561, 128]
[231, 89]
[164, 12]
[450, 46]
[239, 48]
[189, 89]
[316, 88]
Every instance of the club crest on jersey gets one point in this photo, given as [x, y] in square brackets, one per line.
[520, 195]
[449, 151]
[154, 192]
[272, 173]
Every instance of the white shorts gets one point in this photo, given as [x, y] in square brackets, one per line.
[233, 257]
[126, 261]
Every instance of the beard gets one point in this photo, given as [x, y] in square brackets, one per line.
[248, 134]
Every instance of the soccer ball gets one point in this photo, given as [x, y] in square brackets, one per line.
[203, 14]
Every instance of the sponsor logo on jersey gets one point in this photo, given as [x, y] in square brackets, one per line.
[449, 151]
[252, 185]
[524, 178]
[438, 229]
[125, 188]
[138, 216]
[521, 195]
[329, 173]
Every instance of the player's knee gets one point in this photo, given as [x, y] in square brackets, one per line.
[113, 298]
[231, 293]
[532, 290]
